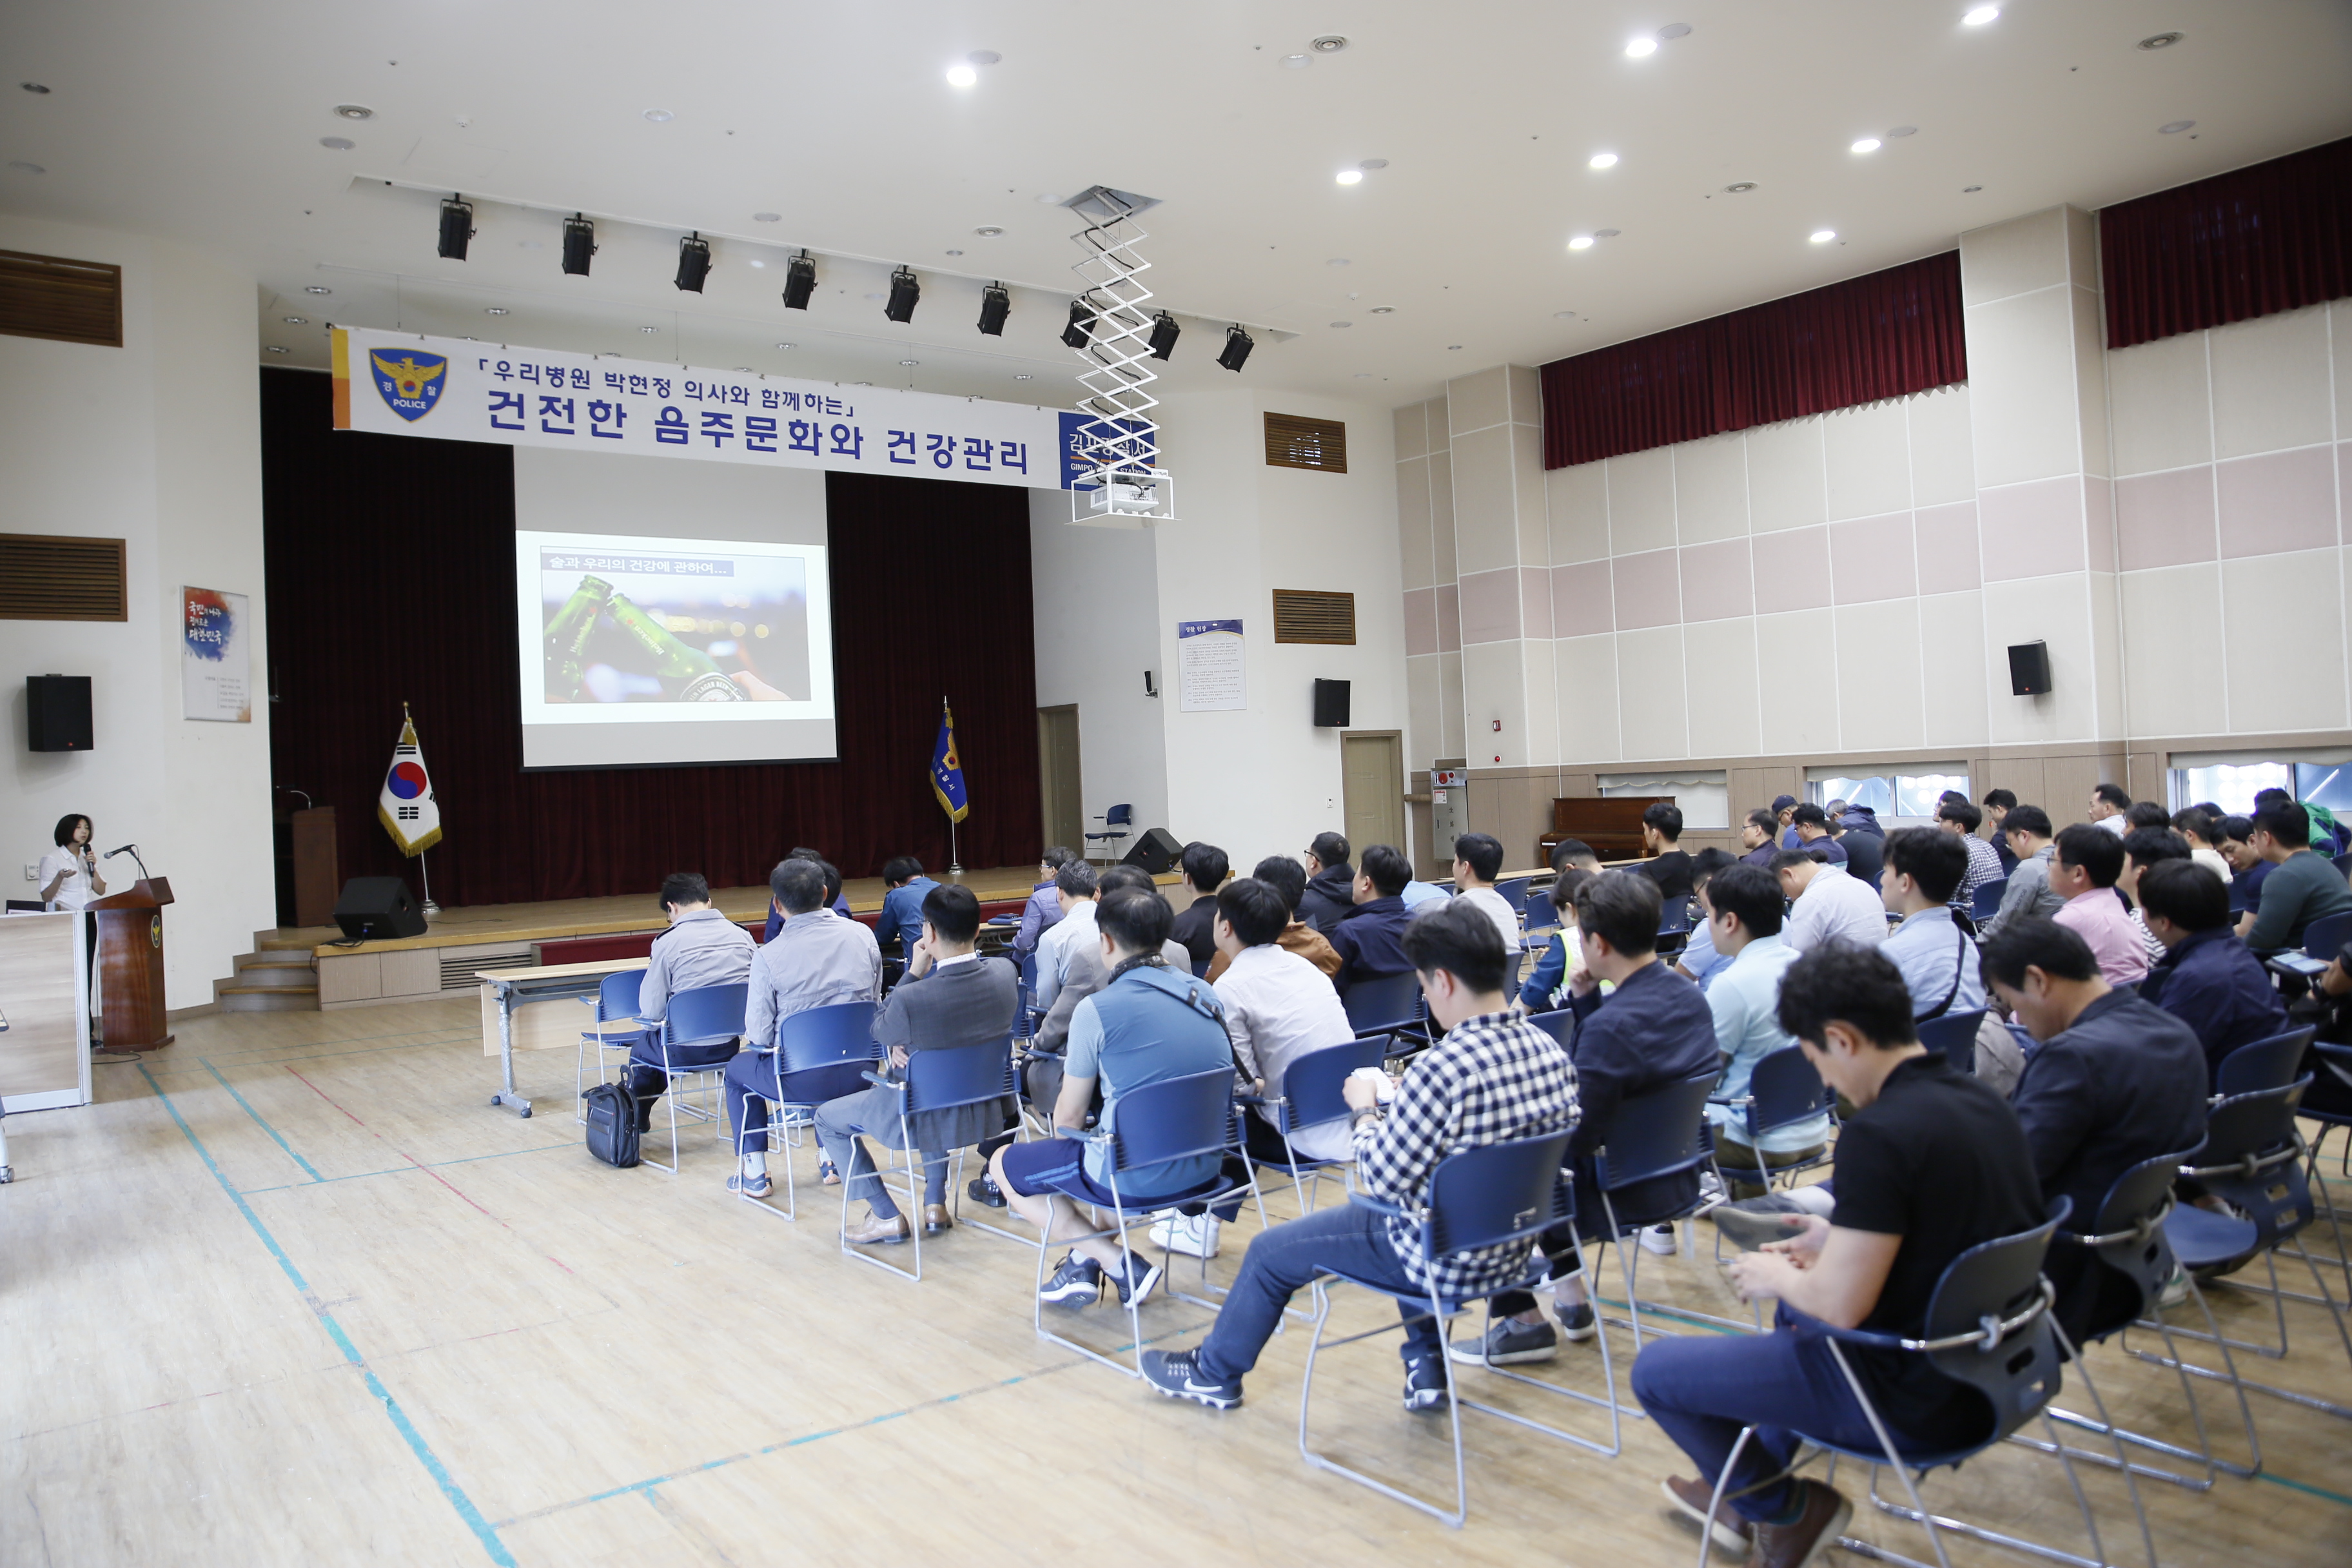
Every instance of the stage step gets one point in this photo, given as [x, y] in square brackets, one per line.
[271, 980]
[266, 998]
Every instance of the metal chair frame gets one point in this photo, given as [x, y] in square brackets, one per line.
[616, 998]
[1766, 1110]
[1686, 1098]
[725, 1004]
[967, 1067]
[812, 1047]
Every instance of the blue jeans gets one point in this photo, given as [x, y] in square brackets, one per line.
[1281, 1261]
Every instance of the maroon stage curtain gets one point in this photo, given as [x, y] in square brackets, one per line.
[1884, 335]
[2274, 237]
[930, 598]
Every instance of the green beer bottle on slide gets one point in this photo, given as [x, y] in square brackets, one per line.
[687, 673]
[567, 638]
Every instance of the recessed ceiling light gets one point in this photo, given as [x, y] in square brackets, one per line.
[757, 262]
[786, 345]
[660, 116]
[910, 362]
[1328, 44]
[354, 112]
[1981, 15]
[1384, 310]
[1902, 131]
[1351, 176]
[316, 289]
[337, 144]
[989, 230]
[742, 370]
[1971, 190]
[494, 309]
[1739, 187]
[273, 347]
[1823, 235]
[1373, 163]
[983, 56]
[1867, 144]
[530, 245]
[649, 329]
[1642, 46]
[298, 320]
[28, 168]
[1337, 261]
[767, 217]
[962, 76]
[1607, 233]
[34, 87]
[1023, 375]
[1582, 242]
[2176, 127]
[1363, 375]
[1452, 347]
[1046, 198]
[1673, 31]
[951, 253]
[1601, 160]
[1563, 315]
[875, 296]
[1296, 62]
[1343, 323]
[2153, 41]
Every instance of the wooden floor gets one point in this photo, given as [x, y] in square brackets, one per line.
[293, 1293]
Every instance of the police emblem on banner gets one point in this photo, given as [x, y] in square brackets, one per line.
[410, 384]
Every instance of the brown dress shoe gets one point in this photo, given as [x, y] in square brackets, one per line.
[935, 1220]
[1816, 1530]
[878, 1232]
[1731, 1533]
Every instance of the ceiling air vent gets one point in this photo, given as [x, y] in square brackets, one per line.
[50, 577]
[1295, 442]
[51, 297]
[1304, 614]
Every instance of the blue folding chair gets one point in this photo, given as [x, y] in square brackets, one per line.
[1661, 1133]
[938, 1079]
[1673, 924]
[1175, 1119]
[615, 1002]
[705, 1022]
[1783, 1090]
[1515, 893]
[1310, 1096]
[1539, 913]
[1985, 902]
[821, 1054]
[1955, 1035]
[1389, 1006]
[2263, 1064]
[1115, 821]
[1498, 1195]
[2323, 937]
[1559, 1024]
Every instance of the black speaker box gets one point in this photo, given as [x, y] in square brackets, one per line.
[1331, 704]
[2029, 669]
[375, 908]
[56, 712]
[1157, 852]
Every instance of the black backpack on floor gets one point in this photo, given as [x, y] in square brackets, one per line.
[612, 1117]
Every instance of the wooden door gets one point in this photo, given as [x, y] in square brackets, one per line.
[1371, 772]
[1058, 776]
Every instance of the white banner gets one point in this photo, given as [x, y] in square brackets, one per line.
[400, 383]
[1211, 676]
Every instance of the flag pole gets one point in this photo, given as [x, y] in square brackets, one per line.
[955, 851]
[432, 909]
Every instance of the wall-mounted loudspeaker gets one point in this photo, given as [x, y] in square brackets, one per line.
[2029, 669]
[56, 712]
[1331, 704]
[1157, 852]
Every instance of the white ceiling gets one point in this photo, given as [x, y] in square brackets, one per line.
[202, 122]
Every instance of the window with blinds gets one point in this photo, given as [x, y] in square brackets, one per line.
[1293, 441]
[49, 577]
[1304, 614]
[51, 297]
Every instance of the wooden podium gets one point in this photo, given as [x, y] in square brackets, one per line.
[131, 964]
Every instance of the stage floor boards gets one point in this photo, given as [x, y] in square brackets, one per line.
[292, 1292]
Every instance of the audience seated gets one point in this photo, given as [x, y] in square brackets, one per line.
[1862, 819]
[1653, 1029]
[702, 947]
[1370, 941]
[2143, 848]
[1784, 812]
[1826, 905]
[2327, 1009]
[2199, 828]
[1962, 820]
[1811, 826]
[1330, 883]
[1699, 961]
[1285, 877]
[1043, 910]
[2029, 893]
[903, 889]
[950, 997]
[1150, 1023]
[1203, 869]
[1491, 1078]
[1478, 861]
[1997, 803]
[2145, 813]
[1938, 960]
[832, 898]
[2300, 888]
[816, 959]
[1074, 886]
[1544, 988]
[2207, 978]
[1932, 1164]
[1744, 915]
[2108, 803]
[1865, 849]
[1756, 838]
[1661, 832]
[1577, 854]
[2248, 869]
[2083, 874]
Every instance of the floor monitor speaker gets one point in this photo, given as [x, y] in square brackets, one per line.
[1157, 852]
[374, 908]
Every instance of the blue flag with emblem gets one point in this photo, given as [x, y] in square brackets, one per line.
[947, 769]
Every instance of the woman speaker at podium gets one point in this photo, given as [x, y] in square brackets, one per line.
[69, 878]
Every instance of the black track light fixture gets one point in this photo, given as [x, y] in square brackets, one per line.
[799, 282]
[1238, 344]
[1078, 332]
[904, 292]
[995, 304]
[693, 262]
[1164, 333]
[579, 245]
[456, 227]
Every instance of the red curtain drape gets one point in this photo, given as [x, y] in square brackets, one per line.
[390, 570]
[2274, 237]
[1884, 335]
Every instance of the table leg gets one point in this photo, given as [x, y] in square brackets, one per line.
[507, 1095]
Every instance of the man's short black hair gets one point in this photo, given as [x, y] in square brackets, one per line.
[1078, 878]
[1959, 811]
[2114, 795]
[1750, 892]
[1481, 852]
[2241, 829]
[2271, 796]
[1056, 856]
[1569, 849]
[1254, 910]
[2189, 895]
[1388, 869]
[1934, 860]
[2210, 808]
[2146, 814]
[2152, 846]
[2005, 799]
[1113, 877]
[1458, 940]
[1708, 861]
[1285, 877]
[1563, 890]
[2079, 846]
[685, 888]
[2194, 823]
[803, 852]
[797, 886]
[2039, 943]
[1136, 920]
[1952, 795]
[1763, 818]
[831, 881]
[1621, 908]
[66, 826]
[1205, 865]
[901, 869]
[2286, 821]
[1667, 818]
[2027, 819]
[1331, 848]
[1842, 983]
[953, 910]
[1788, 857]
[1808, 814]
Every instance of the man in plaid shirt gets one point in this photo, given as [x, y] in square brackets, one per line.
[1493, 1077]
[1957, 816]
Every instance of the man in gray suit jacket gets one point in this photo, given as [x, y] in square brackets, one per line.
[950, 997]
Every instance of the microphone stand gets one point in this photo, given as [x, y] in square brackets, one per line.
[132, 850]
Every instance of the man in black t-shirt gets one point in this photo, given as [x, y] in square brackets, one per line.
[1933, 1165]
[1661, 833]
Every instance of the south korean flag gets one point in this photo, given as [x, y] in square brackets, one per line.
[407, 806]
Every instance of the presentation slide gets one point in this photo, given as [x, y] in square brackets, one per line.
[648, 652]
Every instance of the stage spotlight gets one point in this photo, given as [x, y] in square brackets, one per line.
[995, 304]
[693, 262]
[799, 282]
[1081, 323]
[579, 245]
[1164, 332]
[1238, 344]
[904, 292]
[456, 229]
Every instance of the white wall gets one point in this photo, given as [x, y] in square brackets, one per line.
[157, 442]
[1096, 596]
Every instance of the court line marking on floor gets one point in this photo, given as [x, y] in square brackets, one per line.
[405, 1169]
[262, 1122]
[472, 1516]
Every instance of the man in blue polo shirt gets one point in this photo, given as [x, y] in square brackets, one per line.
[902, 904]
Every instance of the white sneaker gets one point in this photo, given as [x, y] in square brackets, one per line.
[1711, 1195]
[1660, 1240]
[1193, 1236]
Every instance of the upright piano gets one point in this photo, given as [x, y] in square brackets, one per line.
[1611, 825]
